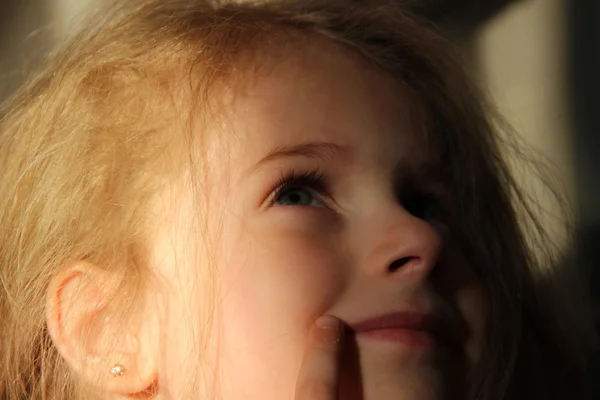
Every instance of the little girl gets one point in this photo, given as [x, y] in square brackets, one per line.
[189, 185]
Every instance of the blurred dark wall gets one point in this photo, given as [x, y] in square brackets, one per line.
[463, 18]
[465, 15]
[584, 54]
[22, 35]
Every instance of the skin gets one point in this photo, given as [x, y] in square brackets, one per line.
[319, 374]
[281, 267]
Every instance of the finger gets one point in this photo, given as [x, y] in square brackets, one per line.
[319, 374]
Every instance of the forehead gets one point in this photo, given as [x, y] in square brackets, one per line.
[325, 94]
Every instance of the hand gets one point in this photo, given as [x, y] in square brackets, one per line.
[319, 374]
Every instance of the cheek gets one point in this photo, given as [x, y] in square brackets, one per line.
[459, 283]
[186, 309]
[471, 302]
[284, 277]
[276, 282]
[469, 296]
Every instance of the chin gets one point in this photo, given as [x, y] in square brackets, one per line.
[405, 385]
[372, 375]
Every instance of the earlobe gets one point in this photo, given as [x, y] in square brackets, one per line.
[98, 344]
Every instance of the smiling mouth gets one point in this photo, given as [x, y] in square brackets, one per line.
[409, 337]
[409, 328]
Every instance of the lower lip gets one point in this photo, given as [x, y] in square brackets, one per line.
[409, 337]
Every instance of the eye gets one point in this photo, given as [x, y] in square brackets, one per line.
[297, 196]
[304, 189]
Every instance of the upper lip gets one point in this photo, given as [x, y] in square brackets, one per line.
[441, 328]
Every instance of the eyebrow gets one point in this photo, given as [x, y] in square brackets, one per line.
[313, 150]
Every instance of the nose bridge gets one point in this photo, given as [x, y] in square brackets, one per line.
[402, 244]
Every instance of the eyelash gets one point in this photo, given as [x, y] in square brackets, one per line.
[310, 179]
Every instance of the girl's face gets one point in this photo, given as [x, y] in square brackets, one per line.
[315, 215]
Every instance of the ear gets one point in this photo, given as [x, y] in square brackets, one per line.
[93, 338]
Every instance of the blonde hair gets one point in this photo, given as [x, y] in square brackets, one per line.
[86, 143]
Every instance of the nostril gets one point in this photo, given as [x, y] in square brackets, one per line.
[399, 263]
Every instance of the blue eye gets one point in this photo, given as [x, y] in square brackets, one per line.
[296, 196]
[305, 189]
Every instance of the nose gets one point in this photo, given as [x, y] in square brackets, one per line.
[402, 246]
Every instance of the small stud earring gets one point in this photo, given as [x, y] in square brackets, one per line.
[117, 370]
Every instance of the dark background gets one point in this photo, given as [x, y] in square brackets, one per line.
[464, 17]
[584, 59]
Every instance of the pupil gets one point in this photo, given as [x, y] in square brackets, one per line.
[295, 197]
